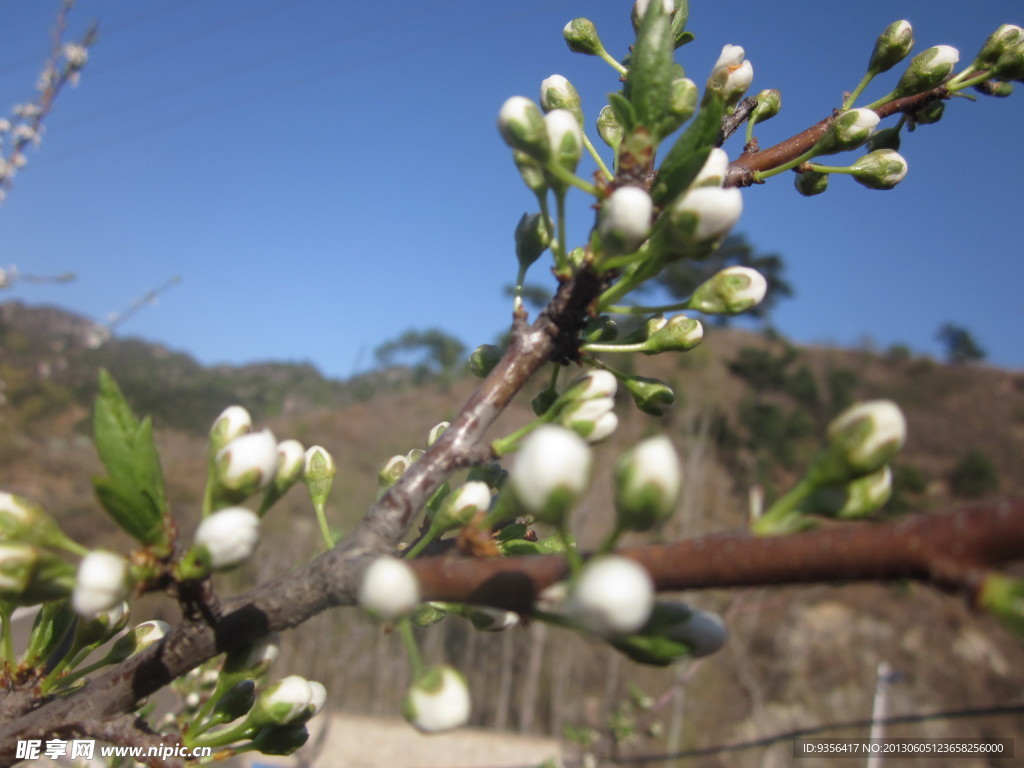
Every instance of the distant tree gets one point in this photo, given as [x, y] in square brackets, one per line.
[682, 277]
[959, 344]
[974, 476]
[429, 353]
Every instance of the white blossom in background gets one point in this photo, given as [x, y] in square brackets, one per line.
[389, 589]
[613, 596]
[551, 471]
[438, 700]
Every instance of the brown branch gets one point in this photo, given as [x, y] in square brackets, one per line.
[742, 169]
[330, 579]
[951, 551]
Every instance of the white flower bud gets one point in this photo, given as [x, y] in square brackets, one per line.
[435, 433]
[680, 334]
[461, 506]
[1004, 39]
[732, 290]
[592, 419]
[705, 214]
[139, 638]
[551, 472]
[228, 536]
[865, 436]
[881, 169]
[317, 698]
[849, 130]
[389, 589]
[318, 474]
[102, 584]
[613, 596]
[282, 703]
[558, 93]
[393, 469]
[581, 37]
[731, 76]
[927, 70]
[712, 173]
[730, 57]
[598, 383]
[564, 137]
[624, 221]
[291, 462]
[232, 423]
[648, 483]
[247, 463]
[523, 127]
[892, 47]
[438, 700]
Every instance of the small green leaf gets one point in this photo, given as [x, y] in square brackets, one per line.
[131, 509]
[687, 156]
[649, 82]
[133, 492]
[624, 111]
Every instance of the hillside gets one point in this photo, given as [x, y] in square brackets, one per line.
[750, 410]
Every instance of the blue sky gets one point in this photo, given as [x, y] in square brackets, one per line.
[326, 175]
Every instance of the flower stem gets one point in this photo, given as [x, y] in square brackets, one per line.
[325, 531]
[597, 157]
[868, 77]
[411, 646]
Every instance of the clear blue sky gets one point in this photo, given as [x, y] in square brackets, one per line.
[325, 175]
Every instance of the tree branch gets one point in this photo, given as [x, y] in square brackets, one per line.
[742, 169]
[951, 551]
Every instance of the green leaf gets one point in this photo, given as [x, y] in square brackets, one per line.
[687, 156]
[679, 19]
[649, 82]
[131, 509]
[133, 493]
[522, 548]
[624, 111]
[684, 38]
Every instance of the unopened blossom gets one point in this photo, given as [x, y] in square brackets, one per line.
[247, 463]
[624, 221]
[648, 483]
[613, 596]
[438, 700]
[228, 536]
[731, 290]
[389, 589]
[102, 583]
[551, 472]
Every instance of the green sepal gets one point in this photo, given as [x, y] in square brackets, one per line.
[624, 111]
[133, 493]
[650, 645]
[688, 155]
[52, 624]
[679, 19]
[649, 82]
